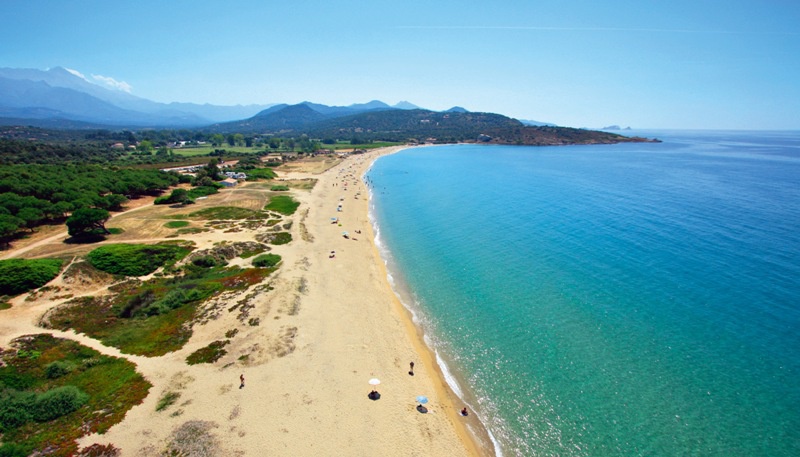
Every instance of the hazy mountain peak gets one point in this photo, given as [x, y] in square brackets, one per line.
[374, 104]
[405, 105]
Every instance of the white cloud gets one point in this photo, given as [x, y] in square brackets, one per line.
[77, 73]
[111, 83]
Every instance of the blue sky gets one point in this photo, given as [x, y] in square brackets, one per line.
[645, 63]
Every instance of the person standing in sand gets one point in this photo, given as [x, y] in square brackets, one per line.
[411, 371]
[241, 381]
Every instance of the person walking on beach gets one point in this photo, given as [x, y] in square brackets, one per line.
[241, 381]
[411, 372]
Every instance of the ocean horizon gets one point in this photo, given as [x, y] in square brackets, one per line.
[629, 299]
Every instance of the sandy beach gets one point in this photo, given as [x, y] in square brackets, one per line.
[329, 324]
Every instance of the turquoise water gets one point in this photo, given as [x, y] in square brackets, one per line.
[637, 299]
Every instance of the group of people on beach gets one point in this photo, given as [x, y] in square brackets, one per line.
[374, 395]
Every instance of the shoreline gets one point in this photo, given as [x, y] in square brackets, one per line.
[470, 429]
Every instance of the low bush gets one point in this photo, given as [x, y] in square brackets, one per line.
[21, 275]
[57, 369]
[15, 409]
[135, 259]
[14, 450]
[176, 224]
[208, 354]
[58, 402]
[206, 261]
[19, 408]
[167, 400]
[266, 260]
[282, 238]
[202, 191]
[279, 188]
[260, 173]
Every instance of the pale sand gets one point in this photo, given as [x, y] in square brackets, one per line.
[327, 327]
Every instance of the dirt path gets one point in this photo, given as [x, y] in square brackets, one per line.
[60, 236]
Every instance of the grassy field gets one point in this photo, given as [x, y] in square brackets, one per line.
[226, 213]
[283, 204]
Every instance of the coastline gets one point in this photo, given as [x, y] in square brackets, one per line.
[324, 326]
[470, 429]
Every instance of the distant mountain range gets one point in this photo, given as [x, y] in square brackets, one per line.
[376, 121]
[60, 94]
[64, 99]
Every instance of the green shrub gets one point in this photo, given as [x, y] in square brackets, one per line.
[167, 400]
[134, 259]
[137, 302]
[176, 224]
[283, 204]
[14, 450]
[178, 297]
[178, 195]
[279, 188]
[21, 275]
[15, 409]
[57, 369]
[282, 238]
[206, 261]
[202, 191]
[260, 173]
[266, 260]
[58, 402]
[208, 354]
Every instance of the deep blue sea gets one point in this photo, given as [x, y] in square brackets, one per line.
[610, 300]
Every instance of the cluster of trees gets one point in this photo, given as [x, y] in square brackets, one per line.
[135, 148]
[301, 143]
[23, 151]
[31, 195]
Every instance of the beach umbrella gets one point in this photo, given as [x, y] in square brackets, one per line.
[374, 382]
[374, 395]
[422, 399]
